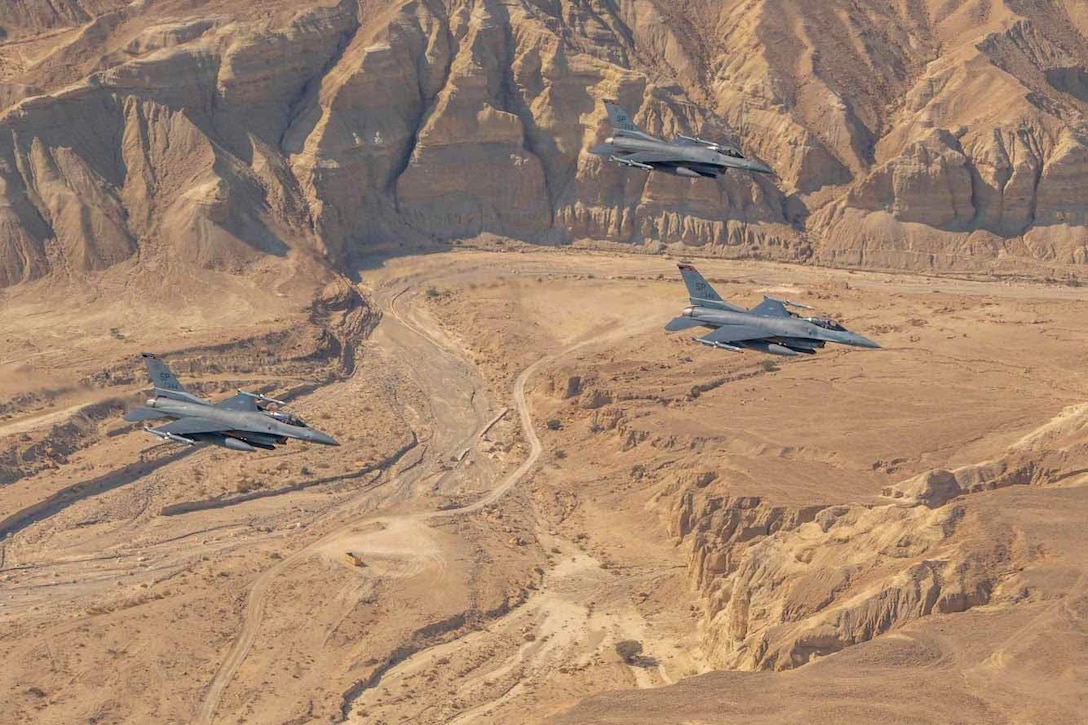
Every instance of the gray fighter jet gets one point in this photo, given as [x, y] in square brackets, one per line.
[240, 423]
[768, 327]
[688, 156]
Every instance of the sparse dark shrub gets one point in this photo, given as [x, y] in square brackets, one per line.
[629, 650]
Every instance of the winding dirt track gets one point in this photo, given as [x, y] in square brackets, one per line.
[452, 430]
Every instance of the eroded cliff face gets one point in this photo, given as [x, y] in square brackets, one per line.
[911, 135]
[782, 579]
[783, 585]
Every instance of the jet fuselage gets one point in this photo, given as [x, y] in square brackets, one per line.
[791, 330]
[698, 158]
[256, 424]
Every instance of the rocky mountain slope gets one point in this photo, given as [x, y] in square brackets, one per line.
[920, 134]
[853, 548]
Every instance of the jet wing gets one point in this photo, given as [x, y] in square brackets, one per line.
[770, 308]
[735, 333]
[241, 401]
[191, 426]
[651, 157]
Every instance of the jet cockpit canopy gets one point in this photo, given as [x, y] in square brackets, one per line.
[287, 417]
[826, 323]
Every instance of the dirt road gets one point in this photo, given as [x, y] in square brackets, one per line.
[505, 562]
[457, 413]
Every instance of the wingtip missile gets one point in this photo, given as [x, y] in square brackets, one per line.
[630, 163]
[712, 145]
[260, 397]
[168, 436]
[719, 345]
[789, 303]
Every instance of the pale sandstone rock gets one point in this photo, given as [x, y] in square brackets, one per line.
[916, 138]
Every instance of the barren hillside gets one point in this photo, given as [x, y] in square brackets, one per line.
[917, 134]
[544, 508]
[536, 478]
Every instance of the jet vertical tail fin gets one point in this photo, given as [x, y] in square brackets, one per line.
[619, 119]
[701, 293]
[161, 377]
[622, 126]
[166, 385]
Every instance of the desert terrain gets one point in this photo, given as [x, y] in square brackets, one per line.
[544, 508]
[533, 472]
[920, 135]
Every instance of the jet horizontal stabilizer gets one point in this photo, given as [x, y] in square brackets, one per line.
[682, 323]
[138, 414]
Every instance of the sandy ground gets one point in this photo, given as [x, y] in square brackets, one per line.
[514, 532]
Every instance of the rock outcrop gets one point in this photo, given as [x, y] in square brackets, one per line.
[915, 136]
[1054, 453]
[784, 585]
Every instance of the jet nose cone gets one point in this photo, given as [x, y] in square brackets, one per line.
[758, 168]
[861, 341]
[324, 439]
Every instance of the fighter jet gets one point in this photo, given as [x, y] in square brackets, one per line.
[241, 423]
[688, 156]
[768, 327]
